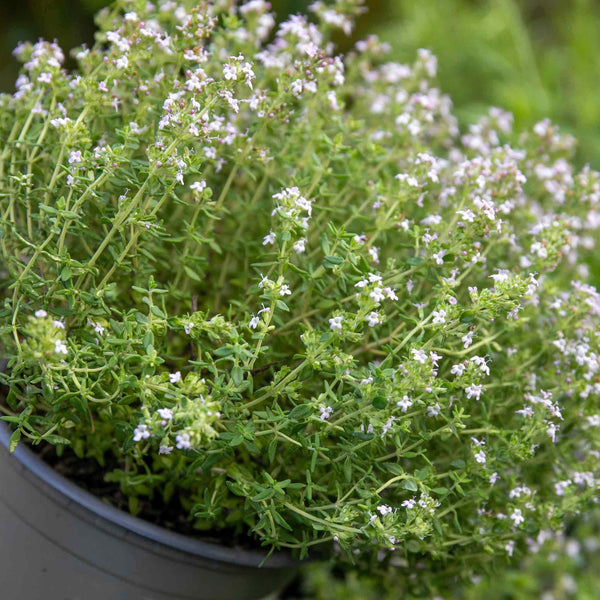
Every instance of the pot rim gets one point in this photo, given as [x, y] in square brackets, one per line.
[236, 555]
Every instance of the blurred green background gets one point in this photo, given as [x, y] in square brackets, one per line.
[536, 58]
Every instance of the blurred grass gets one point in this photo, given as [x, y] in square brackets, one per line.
[536, 58]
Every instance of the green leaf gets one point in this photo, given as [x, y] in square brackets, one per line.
[379, 402]
[224, 351]
[15, 438]
[272, 448]
[148, 340]
[332, 261]
[237, 375]
[410, 485]
[56, 439]
[235, 488]
[157, 312]
[348, 469]
[263, 495]
[300, 412]
[48, 209]
[282, 305]
[192, 274]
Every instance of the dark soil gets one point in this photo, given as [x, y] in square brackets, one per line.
[86, 473]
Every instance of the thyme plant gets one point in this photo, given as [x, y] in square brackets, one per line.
[277, 286]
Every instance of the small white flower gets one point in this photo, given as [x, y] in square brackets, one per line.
[474, 391]
[165, 413]
[60, 347]
[467, 339]
[254, 321]
[183, 441]
[300, 246]
[561, 486]
[188, 327]
[384, 509]
[285, 290]
[480, 457]
[141, 432]
[458, 369]
[501, 276]
[175, 377]
[269, 238]
[409, 504]
[336, 322]
[405, 403]
[326, 412]
[439, 257]
[433, 411]
[373, 319]
[75, 157]
[333, 102]
[198, 186]
[58, 324]
[517, 517]
[374, 252]
[40, 314]
[494, 477]
[165, 449]
[439, 317]
[481, 363]
[377, 295]
[526, 411]
[594, 421]
[551, 431]
[98, 328]
[419, 355]
[135, 128]
[230, 72]
[390, 293]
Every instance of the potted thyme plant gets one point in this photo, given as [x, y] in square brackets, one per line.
[257, 292]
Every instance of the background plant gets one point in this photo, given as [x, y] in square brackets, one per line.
[299, 302]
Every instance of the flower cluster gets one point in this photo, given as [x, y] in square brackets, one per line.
[278, 284]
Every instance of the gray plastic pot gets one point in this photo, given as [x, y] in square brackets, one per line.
[58, 542]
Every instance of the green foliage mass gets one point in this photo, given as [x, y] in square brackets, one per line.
[277, 286]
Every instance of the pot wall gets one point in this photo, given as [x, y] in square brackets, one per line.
[58, 542]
